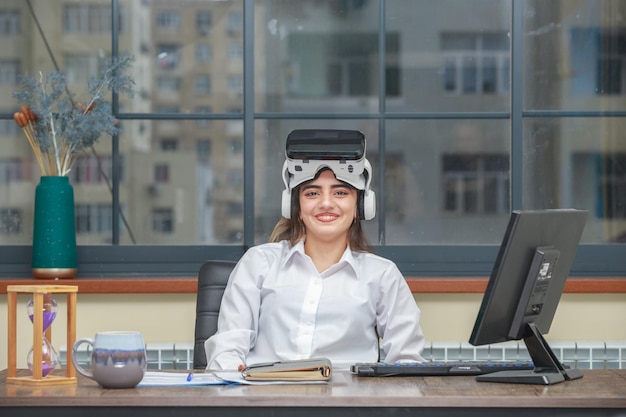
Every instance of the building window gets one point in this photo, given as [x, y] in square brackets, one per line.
[203, 148]
[10, 221]
[203, 22]
[168, 83]
[603, 53]
[203, 85]
[475, 63]
[161, 173]
[79, 68]
[9, 70]
[9, 22]
[168, 56]
[204, 53]
[169, 145]
[163, 220]
[92, 169]
[234, 84]
[235, 51]
[86, 18]
[476, 184]
[9, 127]
[235, 23]
[168, 19]
[11, 170]
[93, 218]
[347, 64]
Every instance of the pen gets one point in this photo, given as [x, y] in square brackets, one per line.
[189, 376]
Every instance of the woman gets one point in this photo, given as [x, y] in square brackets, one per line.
[316, 290]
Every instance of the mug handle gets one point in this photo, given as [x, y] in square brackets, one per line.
[79, 368]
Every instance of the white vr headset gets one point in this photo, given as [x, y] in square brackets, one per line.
[342, 151]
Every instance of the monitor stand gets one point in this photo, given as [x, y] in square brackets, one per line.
[548, 370]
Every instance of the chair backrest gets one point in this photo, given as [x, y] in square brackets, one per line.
[212, 280]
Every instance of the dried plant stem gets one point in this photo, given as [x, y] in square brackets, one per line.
[29, 132]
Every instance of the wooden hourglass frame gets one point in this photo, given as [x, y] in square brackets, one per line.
[38, 292]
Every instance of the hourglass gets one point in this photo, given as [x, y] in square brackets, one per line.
[42, 311]
[49, 358]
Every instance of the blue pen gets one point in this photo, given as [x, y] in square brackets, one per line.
[189, 376]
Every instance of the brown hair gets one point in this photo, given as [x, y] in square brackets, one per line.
[293, 230]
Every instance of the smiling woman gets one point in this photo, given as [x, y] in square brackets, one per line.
[316, 290]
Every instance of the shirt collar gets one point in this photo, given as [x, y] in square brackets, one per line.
[346, 258]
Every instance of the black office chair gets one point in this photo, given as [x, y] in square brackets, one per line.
[212, 279]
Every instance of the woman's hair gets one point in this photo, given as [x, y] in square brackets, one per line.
[293, 229]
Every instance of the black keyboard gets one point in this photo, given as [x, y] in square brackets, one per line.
[441, 368]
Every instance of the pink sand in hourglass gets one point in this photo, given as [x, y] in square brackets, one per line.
[45, 369]
[48, 318]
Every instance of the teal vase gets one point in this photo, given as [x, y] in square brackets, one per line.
[54, 230]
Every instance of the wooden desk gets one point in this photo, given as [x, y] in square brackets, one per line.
[599, 392]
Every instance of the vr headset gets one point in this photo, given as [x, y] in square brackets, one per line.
[343, 151]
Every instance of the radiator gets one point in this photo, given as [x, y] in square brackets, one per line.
[581, 355]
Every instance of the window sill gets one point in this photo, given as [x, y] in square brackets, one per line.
[188, 285]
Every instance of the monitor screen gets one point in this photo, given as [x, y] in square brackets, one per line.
[525, 287]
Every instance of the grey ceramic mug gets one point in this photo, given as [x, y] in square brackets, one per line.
[118, 359]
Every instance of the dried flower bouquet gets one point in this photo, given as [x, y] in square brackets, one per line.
[57, 126]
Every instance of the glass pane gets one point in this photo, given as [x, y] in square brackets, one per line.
[189, 195]
[581, 163]
[450, 55]
[269, 156]
[316, 56]
[446, 182]
[574, 55]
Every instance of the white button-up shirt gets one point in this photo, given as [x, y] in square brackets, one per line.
[277, 306]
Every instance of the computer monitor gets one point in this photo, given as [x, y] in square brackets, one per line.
[524, 290]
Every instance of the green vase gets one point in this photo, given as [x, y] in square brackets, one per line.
[54, 230]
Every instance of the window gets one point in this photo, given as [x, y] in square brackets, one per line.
[235, 23]
[168, 19]
[204, 53]
[203, 148]
[91, 169]
[475, 63]
[235, 51]
[599, 60]
[9, 70]
[10, 221]
[168, 56]
[81, 67]
[168, 83]
[93, 218]
[203, 84]
[345, 65]
[203, 22]
[86, 18]
[169, 145]
[11, 170]
[607, 175]
[9, 127]
[9, 22]
[476, 184]
[163, 220]
[161, 173]
[235, 85]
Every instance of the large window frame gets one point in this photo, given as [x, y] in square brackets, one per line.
[599, 260]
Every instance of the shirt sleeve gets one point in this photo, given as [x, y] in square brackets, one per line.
[398, 319]
[239, 313]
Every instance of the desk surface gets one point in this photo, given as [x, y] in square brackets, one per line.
[599, 392]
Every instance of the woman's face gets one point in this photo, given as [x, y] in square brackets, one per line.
[327, 207]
